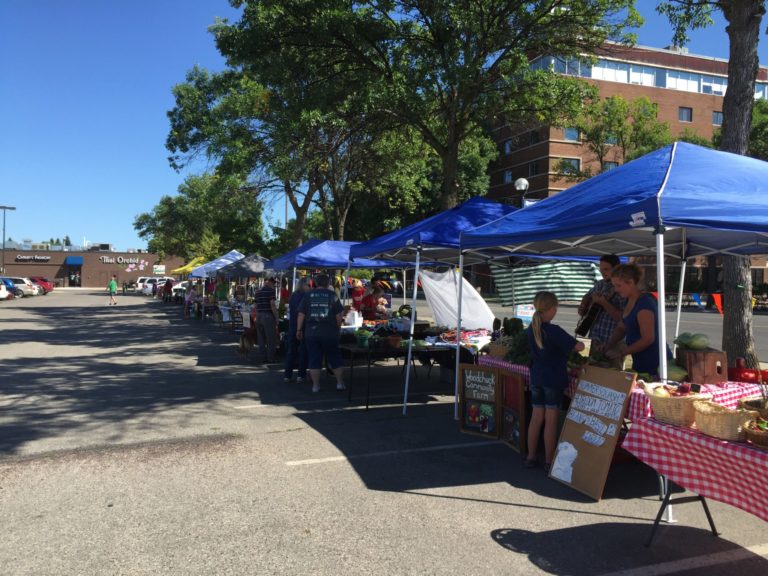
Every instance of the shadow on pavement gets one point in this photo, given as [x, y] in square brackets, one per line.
[612, 547]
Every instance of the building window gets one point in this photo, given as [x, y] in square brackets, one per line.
[685, 114]
[609, 166]
[570, 165]
[507, 176]
[572, 134]
[533, 137]
[508, 147]
[533, 168]
[717, 118]
[612, 140]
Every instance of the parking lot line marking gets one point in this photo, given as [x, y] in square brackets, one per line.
[329, 459]
[686, 564]
[327, 400]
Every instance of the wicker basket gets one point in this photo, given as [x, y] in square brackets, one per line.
[758, 438]
[721, 422]
[746, 403]
[676, 410]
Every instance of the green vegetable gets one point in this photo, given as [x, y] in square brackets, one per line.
[676, 373]
[698, 342]
[683, 339]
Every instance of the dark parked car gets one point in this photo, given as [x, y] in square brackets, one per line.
[12, 289]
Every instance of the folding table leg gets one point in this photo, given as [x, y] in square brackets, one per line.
[667, 503]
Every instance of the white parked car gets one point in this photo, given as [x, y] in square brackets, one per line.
[25, 285]
[150, 283]
[140, 283]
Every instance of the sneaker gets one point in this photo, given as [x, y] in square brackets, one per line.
[340, 386]
[299, 380]
[316, 388]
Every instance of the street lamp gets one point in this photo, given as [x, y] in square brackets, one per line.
[5, 209]
[521, 185]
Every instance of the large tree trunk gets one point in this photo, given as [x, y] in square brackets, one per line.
[449, 195]
[744, 17]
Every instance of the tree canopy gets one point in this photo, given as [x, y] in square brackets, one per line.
[441, 67]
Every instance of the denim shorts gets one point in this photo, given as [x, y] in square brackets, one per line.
[319, 347]
[545, 397]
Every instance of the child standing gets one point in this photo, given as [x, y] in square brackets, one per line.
[550, 346]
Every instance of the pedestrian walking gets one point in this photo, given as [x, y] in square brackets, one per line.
[112, 289]
[266, 320]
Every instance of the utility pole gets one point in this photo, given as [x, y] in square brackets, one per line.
[5, 209]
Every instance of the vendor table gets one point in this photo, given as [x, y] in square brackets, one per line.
[729, 472]
[726, 394]
[442, 354]
[523, 371]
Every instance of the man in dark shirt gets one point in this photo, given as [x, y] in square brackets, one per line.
[266, 320]
[319, 322]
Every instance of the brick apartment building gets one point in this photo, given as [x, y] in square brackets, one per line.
[688, 90]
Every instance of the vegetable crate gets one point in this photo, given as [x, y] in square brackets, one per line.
[707, 366]
[498, 350]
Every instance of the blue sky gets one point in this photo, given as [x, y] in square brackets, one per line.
[84, 88]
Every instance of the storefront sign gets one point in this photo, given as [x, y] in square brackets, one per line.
[158, 269]
[479, 399]
[591, 430]
[118, 260]
[32, 258]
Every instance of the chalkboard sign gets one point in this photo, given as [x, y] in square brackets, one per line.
[591, 430]
[514, 427]
[479, 396]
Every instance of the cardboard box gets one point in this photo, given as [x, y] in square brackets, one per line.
[708, 366]
[497, 350]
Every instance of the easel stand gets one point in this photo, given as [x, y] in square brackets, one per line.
[666, 505]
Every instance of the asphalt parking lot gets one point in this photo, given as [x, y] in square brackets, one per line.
[133, 441]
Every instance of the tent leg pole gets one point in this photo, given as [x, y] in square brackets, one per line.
[458, 338]
[662, 309]
[680, 299]
[410, 337]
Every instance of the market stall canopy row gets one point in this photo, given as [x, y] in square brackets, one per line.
[325, 254]
[252, 265]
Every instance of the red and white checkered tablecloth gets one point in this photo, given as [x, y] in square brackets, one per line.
[523, 371]
[728, 472]
[728, 394]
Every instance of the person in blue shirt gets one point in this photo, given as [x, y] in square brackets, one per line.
[319, 323]
[639, 326]
[295, 349]
[550, 347]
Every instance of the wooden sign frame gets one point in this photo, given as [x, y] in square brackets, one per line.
[479, 406]
[514, 423]
[592, 426]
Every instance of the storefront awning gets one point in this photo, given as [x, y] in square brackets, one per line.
[73, 261]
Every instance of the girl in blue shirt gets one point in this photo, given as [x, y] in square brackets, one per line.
[550, 347]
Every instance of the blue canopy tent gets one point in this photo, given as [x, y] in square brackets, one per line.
[435, 239]
[323, 254]
[679, 201]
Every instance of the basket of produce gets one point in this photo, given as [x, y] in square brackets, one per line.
[756, 432]
[721, 422]
[756, 403]
[674, 404]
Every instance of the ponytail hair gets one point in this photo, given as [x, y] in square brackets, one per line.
[542, 302]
